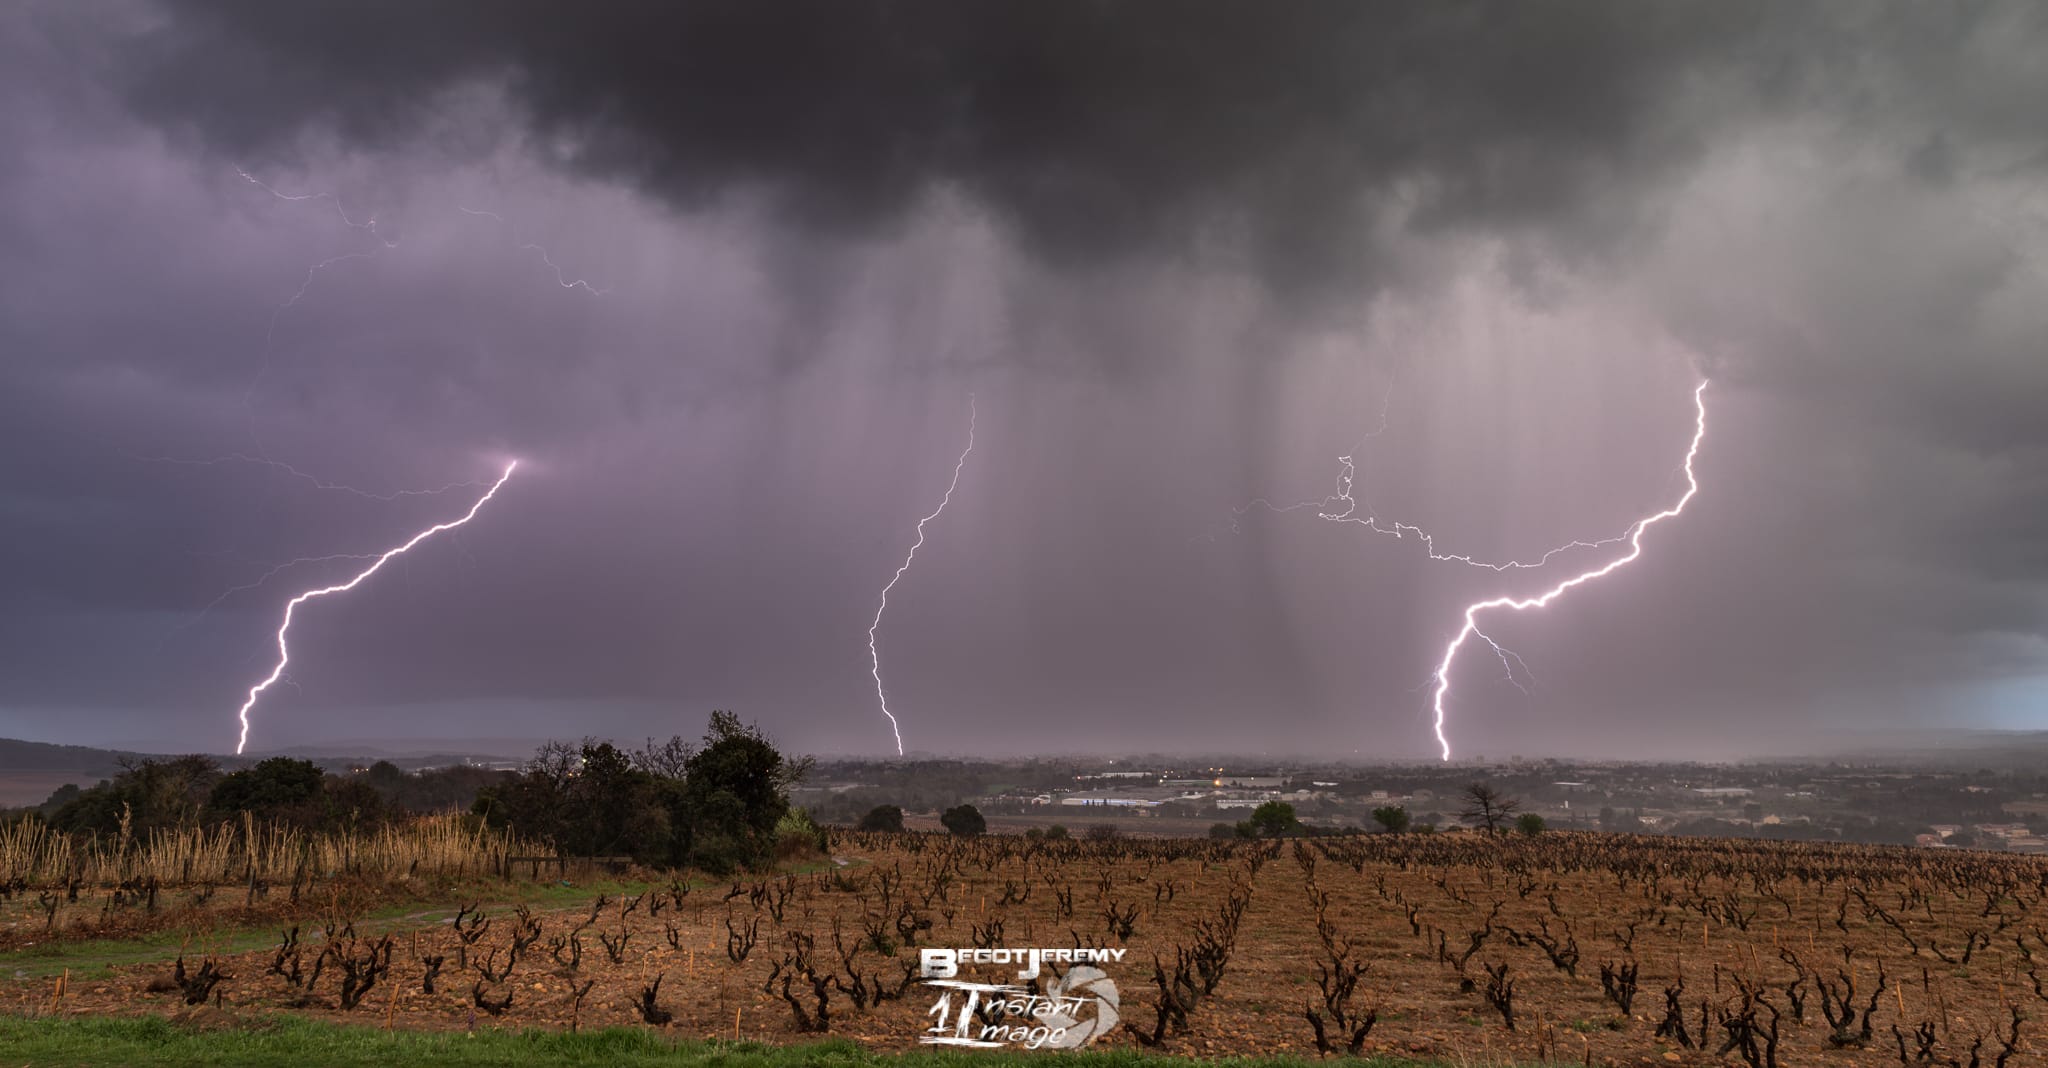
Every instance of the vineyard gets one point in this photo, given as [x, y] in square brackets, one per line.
[1574, 948]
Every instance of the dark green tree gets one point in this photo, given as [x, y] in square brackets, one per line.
[736, 788]
[1529, 823]
[964, 820]
[883, 818]
[152, 794]
[279, 786]
[1274, 819]
[714, 806]
[613, 808]
[1392, 819]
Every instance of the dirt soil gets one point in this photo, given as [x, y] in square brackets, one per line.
[1764, 935]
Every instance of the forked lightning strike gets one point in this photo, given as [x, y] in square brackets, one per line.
[874, 653]
[1635, 539]
[284, 652]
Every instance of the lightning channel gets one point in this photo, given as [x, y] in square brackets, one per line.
[1343, 507]
[561, 279]
[1634, 537]
[291, 607]
[874, 651]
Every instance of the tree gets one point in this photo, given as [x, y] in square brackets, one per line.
[964, 820]
[887, 818]
[278, 786]
[1488, 806]
[736, 790]
[613, 807]
[151, 794]
[1392, 819]
[1273, 819]
[1222, 830]
[715, 806]
[1529, 823]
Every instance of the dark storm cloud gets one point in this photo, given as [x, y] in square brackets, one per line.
[1183, 253]
[1293, 139]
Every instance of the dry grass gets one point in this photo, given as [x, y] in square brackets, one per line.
[443, 845]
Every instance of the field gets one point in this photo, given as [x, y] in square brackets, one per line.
[1458, 948]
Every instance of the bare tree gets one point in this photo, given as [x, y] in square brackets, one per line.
[1488, 806]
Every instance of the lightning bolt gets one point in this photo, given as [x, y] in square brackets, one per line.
[369, 224]
[874, 653]
[284, 652]
[560, 279]
[1634, 537]
[1327, 509]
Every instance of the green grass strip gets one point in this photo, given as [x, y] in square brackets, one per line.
[300, 1043]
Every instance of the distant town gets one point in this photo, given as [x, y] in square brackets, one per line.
[1947, 808]
[1980, 798]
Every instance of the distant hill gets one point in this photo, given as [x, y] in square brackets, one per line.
[16, 755]
[29, 771]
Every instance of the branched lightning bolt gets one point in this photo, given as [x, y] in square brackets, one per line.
[284, 653]
[1635, 539]
[1399, 529]
[305, 285]
[272, 572]
[874, 653]
[369, 224]
[560, 279]
[1328, 508]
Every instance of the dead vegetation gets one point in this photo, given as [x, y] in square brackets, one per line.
[1740, 952]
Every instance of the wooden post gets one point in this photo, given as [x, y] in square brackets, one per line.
[735, 1025]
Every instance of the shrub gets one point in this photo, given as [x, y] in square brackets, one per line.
[798, 836]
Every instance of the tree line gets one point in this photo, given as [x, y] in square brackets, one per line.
[718, 804]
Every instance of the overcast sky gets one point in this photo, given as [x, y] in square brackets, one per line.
[724, 276]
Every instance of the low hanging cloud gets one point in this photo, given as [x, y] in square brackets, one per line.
[1184, 253]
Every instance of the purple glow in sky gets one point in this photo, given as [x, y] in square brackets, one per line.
[720, 273]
